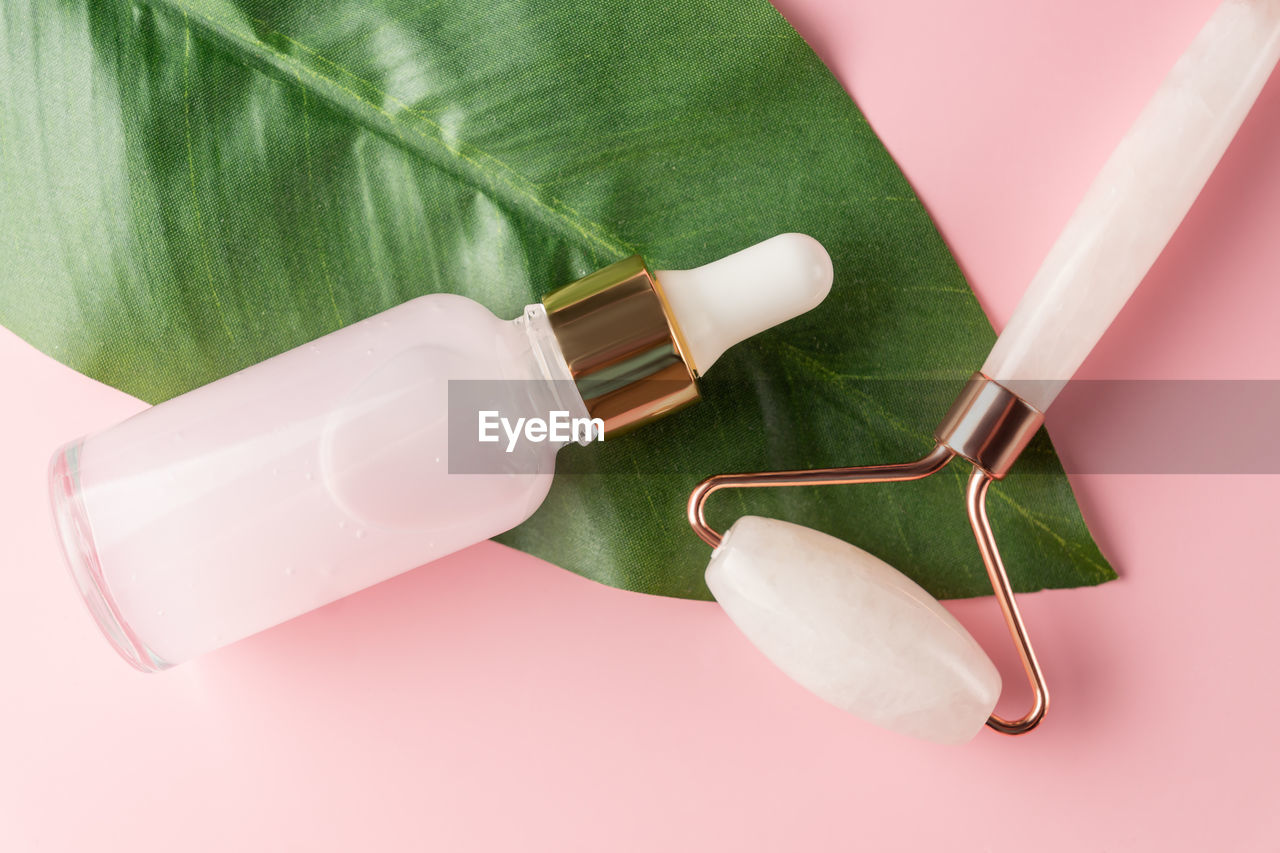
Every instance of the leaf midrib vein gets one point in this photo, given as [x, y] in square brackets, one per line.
[473, 166]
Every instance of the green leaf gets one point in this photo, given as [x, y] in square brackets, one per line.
[191, 186]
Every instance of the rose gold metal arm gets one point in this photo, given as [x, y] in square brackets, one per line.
[976, 502]
[936, 460]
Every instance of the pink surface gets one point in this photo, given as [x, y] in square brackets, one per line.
[494, 702]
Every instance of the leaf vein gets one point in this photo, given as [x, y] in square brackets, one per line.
[486, 171]
[191, 173]
[321, 251]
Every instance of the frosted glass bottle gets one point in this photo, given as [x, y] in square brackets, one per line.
[327, 469]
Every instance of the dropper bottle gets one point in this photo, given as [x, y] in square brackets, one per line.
[387, 444]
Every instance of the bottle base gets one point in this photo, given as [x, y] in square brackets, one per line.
[75, 534]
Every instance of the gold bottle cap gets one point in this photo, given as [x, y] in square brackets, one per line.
[623, 346]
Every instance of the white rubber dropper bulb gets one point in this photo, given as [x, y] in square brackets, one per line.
[726, 301]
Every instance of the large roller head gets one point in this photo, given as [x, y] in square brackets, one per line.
[854, 630]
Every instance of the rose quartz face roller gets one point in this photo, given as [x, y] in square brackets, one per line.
[859, 633]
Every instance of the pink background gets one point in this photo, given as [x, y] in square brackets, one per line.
[494, 702]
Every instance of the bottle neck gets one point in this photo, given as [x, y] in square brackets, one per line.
[557, 387]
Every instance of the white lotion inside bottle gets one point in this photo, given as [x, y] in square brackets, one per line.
[325, 469]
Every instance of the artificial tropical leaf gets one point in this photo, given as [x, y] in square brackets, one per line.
[191, 186]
